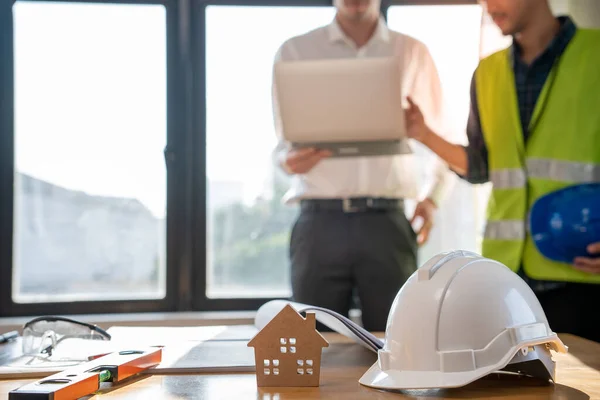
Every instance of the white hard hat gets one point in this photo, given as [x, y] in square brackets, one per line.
[458, 318]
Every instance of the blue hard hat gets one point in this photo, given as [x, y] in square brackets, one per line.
[563, 223]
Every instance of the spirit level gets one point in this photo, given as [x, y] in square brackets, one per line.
[85, 379]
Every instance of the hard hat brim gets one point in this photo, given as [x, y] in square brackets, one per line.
[406, 380]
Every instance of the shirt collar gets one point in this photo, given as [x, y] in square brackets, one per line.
[558, 44]
[336, 34]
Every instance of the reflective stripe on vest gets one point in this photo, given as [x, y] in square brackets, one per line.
[508, 178]
[505, 230]
[563, 171]
[552, 170]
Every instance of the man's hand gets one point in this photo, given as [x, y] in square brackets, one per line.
[586, 264]
[424, 210]
[301, 161]
[415, 122]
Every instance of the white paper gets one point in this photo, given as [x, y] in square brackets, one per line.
[182, 347]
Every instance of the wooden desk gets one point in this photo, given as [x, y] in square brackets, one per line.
[578, 377]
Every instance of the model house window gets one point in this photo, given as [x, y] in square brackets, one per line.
[301, 363]
[268, 363]
[285, 341]
[300, 371]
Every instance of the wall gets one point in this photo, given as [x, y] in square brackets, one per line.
[560, 7]
[586, 13]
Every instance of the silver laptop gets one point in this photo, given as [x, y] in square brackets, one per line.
[352, 107]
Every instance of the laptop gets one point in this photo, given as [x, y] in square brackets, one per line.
[352, 107]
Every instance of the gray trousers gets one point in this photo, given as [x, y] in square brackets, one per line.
[335, 254]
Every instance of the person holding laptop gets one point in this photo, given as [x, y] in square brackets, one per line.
[352, 234]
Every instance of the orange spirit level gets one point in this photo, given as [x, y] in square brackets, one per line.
[85, 379]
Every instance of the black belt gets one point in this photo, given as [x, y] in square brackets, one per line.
[352, 205]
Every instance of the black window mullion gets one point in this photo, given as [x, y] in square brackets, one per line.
[6, 154]
[177, 158]
[199, 144]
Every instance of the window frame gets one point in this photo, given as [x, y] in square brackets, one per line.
[177, 259]
[186, 244]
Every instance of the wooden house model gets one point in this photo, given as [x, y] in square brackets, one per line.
[287, 350]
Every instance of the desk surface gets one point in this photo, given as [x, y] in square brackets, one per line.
[578, 377]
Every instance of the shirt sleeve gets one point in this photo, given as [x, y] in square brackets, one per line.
[427, 93]
[280, 151]
[477, 153]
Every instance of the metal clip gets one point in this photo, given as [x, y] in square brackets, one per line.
[347, 206]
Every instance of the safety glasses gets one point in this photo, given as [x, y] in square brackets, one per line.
[42, 335]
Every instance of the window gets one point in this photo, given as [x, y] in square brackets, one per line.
[456, 54]
[247, 225]
[89, 198]
[101, 94]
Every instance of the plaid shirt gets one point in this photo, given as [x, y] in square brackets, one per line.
[529, 81]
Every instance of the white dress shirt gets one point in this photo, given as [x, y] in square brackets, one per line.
[373, 176]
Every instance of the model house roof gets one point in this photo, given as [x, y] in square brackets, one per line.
[289, 323]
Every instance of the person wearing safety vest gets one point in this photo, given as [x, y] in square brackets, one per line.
[533, 128]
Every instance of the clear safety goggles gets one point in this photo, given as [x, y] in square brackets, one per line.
[42, 335]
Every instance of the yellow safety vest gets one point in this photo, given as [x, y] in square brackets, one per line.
[563, 149]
